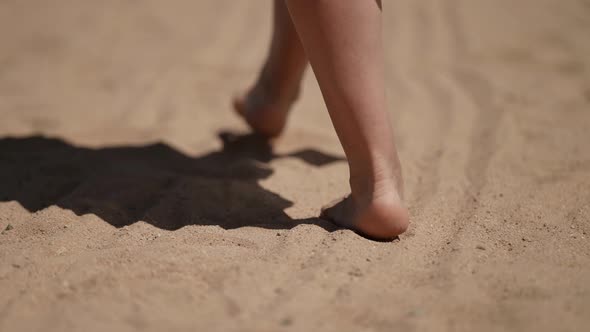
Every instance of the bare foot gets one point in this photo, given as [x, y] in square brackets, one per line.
[380, 217]
[265, 112]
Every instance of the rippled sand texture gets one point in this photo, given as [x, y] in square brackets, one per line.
[132, 198]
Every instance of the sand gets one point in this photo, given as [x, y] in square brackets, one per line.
[132, 198]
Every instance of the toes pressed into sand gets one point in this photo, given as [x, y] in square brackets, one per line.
[379, 220]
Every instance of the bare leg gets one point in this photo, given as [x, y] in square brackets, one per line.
[265, 106]
[343, 42]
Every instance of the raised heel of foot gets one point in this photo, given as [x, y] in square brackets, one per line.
[383, 220]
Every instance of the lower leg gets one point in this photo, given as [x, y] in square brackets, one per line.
[266, 104]
[342, 40]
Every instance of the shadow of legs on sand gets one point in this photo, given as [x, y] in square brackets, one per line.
[153, 183]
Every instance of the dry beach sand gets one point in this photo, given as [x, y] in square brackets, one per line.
[132, 198]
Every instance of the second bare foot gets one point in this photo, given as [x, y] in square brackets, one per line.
[265, 112]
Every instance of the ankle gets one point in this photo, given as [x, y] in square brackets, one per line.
[377, 182]
[277, 89]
